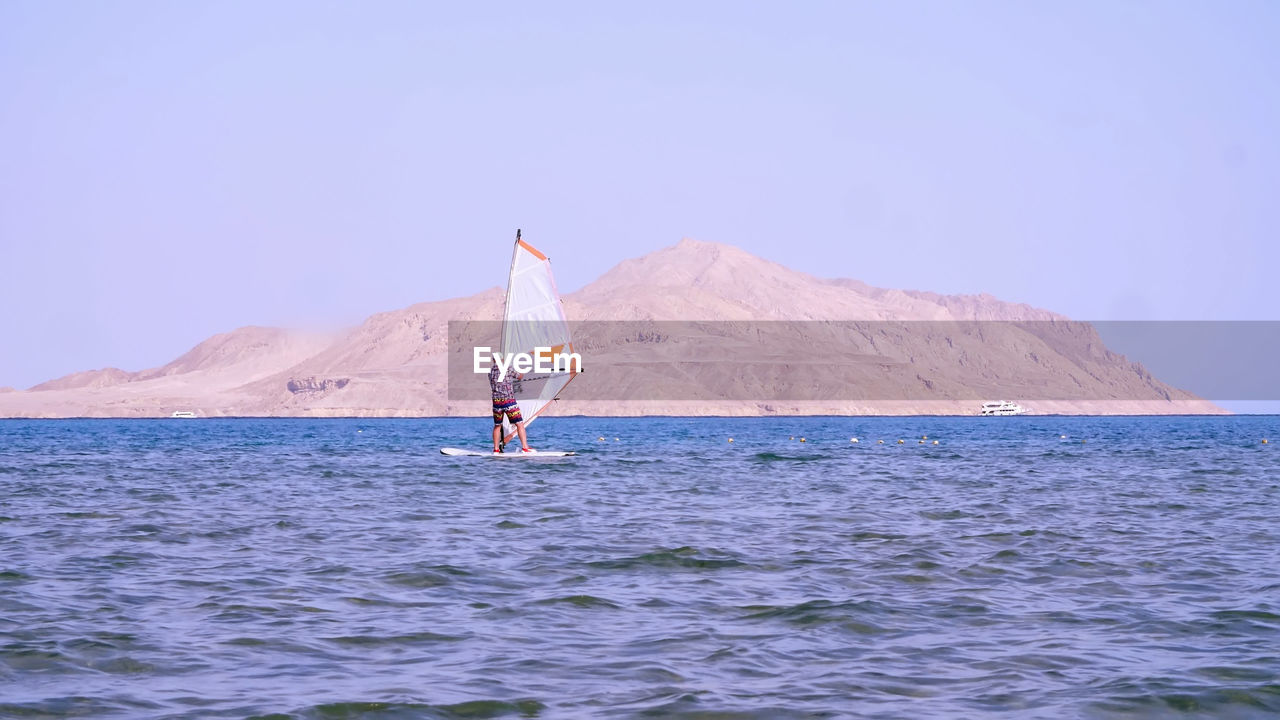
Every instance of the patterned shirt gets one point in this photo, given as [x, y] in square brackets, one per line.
[502, 389]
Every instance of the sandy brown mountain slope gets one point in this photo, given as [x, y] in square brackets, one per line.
[395, 363]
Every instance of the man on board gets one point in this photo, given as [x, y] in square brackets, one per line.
[504, 404]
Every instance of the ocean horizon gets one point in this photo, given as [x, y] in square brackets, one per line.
[1030, 567]
[473, 417]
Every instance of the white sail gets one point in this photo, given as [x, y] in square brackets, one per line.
[534, 318]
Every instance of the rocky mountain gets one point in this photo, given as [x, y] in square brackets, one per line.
[695, 328]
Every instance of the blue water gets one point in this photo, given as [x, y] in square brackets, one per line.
[345, 569]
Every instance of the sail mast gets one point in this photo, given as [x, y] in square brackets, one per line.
[506, 305]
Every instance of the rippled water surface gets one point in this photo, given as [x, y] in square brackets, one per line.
[346, 569]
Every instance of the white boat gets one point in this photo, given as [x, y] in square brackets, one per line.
[183, 414]
[1001, 407]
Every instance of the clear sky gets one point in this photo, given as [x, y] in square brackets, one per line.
[170, 170]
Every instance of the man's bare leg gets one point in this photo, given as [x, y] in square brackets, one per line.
[524, 441]
[497, 438]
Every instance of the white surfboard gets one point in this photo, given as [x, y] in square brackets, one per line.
[459, 452]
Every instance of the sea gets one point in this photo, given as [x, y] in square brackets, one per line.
[1011, 567]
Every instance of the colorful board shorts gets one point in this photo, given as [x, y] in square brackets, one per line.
[508, 408]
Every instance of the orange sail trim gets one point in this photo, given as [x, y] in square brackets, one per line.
[552, 352]
[532, 250]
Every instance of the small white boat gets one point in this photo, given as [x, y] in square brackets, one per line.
[183, 414]
[1001, 407]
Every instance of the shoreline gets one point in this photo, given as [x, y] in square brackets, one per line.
[640, 417]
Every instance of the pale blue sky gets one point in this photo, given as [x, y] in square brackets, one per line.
[170, 170]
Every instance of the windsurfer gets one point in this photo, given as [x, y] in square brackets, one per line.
[504, 405]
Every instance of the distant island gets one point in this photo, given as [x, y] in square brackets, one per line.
[396, 364]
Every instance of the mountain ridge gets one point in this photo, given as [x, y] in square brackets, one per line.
[395, 362]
